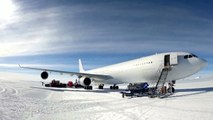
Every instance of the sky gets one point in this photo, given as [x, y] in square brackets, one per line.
[56, 33]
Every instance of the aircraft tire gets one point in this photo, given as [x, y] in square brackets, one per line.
[173, 90]
[114, 87]
[88, 87]
[100, 87]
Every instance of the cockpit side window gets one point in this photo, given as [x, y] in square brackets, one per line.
[189, 56]
[194, 55]
[186, 56]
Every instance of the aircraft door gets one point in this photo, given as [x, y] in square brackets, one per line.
[166, 60]
[173, 59]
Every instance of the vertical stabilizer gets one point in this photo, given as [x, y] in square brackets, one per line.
[81, 68]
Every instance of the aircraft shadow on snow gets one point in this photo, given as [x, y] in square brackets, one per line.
[187, 91]
[195, 91]
[105, 90]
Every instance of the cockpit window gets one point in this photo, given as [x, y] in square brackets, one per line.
[189, 56]
[194, 55]
[186, 56]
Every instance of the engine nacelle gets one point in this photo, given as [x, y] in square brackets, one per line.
[44, 75]
[85, 81]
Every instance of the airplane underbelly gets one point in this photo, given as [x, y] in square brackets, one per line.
[137, 75]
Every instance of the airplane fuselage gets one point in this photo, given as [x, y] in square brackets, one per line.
[144, 69]
[148, 69]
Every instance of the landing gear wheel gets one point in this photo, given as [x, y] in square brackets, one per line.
[173, 90]
[114, 87]
[88, 87]
[101, 86]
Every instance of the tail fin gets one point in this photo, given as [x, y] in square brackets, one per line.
[81, 68]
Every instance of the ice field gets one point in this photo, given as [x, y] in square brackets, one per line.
[20, 101]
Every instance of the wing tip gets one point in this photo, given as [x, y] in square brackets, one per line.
[19, 65]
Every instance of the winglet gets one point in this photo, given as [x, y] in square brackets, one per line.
[81, 68]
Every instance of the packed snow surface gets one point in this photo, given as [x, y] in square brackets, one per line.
[23, 100]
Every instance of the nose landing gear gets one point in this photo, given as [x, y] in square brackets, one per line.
[171, 88]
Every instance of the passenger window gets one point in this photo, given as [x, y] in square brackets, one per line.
[190, 56]
[186, 56]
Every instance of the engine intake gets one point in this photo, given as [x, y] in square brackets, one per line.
[44, 75]
[85, 81]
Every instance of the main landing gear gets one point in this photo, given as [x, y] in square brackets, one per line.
[101, 86]
[114, 87]
[88, 87]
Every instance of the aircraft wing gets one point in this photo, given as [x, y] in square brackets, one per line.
[98, 76]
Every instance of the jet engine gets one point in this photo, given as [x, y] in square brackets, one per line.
[85, 81]
[44, 75]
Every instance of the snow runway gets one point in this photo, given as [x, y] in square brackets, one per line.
[19, 101]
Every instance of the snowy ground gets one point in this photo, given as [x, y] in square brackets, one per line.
[193, 101]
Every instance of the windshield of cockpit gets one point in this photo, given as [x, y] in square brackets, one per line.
[190, 56]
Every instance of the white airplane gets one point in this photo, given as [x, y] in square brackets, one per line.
[156, 68]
